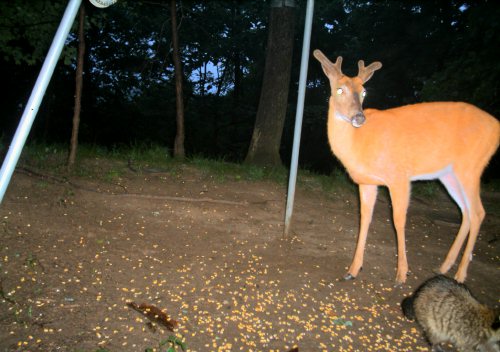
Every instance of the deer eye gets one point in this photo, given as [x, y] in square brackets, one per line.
[363, 93]
[340, 91]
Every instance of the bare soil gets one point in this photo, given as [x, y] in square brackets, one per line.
[210, 255]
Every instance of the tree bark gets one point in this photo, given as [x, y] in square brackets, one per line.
[179, 151]
[78, 88]
[266, 139]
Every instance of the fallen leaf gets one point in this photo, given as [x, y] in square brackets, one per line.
[154, 314]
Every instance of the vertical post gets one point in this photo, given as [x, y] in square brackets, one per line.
[37, 94]
[298, 116]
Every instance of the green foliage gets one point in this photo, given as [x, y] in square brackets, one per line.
[335, 184]
[471, 72]
[40, 156]
[431, 50]
[101, 349]
[173, 341]
[169, 345]
[112, 175]
[27, 29]
[428, 189]
[151, 154]
[343, 322]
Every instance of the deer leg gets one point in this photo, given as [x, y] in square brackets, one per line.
[477, 214]
[456, 191]
[400, 198]
[367, 197]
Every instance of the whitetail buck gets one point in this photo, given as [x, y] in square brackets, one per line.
[449, 141]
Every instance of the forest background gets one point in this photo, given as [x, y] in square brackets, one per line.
[431, 50]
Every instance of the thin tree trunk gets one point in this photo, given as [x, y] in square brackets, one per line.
[235, 29]
[220, 81]
[78, 88]
[179, 151]
[203, 79]
[266, 139]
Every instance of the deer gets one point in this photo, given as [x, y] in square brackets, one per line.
[449, 141]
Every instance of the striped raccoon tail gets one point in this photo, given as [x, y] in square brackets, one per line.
[407, 307]
[496, 328]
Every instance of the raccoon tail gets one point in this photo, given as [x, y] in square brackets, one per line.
[496, 322]
[407, 307]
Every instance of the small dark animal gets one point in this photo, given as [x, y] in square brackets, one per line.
[448, 312]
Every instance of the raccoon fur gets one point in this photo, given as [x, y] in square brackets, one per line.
[448, 312]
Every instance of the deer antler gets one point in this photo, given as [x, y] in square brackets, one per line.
[365, 73]
[338, 65]
[328, 67]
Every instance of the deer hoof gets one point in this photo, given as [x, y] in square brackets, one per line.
[398, 284]
[348, 277]
[437, 271]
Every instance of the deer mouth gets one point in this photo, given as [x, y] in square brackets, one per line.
[358, 120]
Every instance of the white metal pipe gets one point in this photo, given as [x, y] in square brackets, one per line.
[298, 116]
[37, 94]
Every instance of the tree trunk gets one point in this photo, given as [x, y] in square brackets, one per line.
[179, 100]
[78, 88]
[236, 55]
[266, 139]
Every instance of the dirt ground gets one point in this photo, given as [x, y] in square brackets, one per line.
[210, 254]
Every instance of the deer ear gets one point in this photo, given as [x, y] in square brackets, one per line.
[331, 70]
[365, 73]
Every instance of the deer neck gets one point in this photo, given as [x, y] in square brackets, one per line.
[341, 135]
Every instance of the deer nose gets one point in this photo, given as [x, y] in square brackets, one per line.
[358, 119]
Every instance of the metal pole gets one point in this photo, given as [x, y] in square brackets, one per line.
[35, 99]
[298, 115]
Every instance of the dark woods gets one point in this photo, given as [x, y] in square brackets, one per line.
[431, 50]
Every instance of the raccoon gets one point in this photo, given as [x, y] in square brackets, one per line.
[448, 312]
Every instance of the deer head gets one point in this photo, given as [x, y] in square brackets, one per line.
[347, 93]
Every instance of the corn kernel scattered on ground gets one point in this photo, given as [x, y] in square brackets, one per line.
[219, 268]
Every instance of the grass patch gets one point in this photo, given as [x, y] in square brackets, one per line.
[42, 156]
[110, 164]
[223, 171]
[427, 189]
[337, 183]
